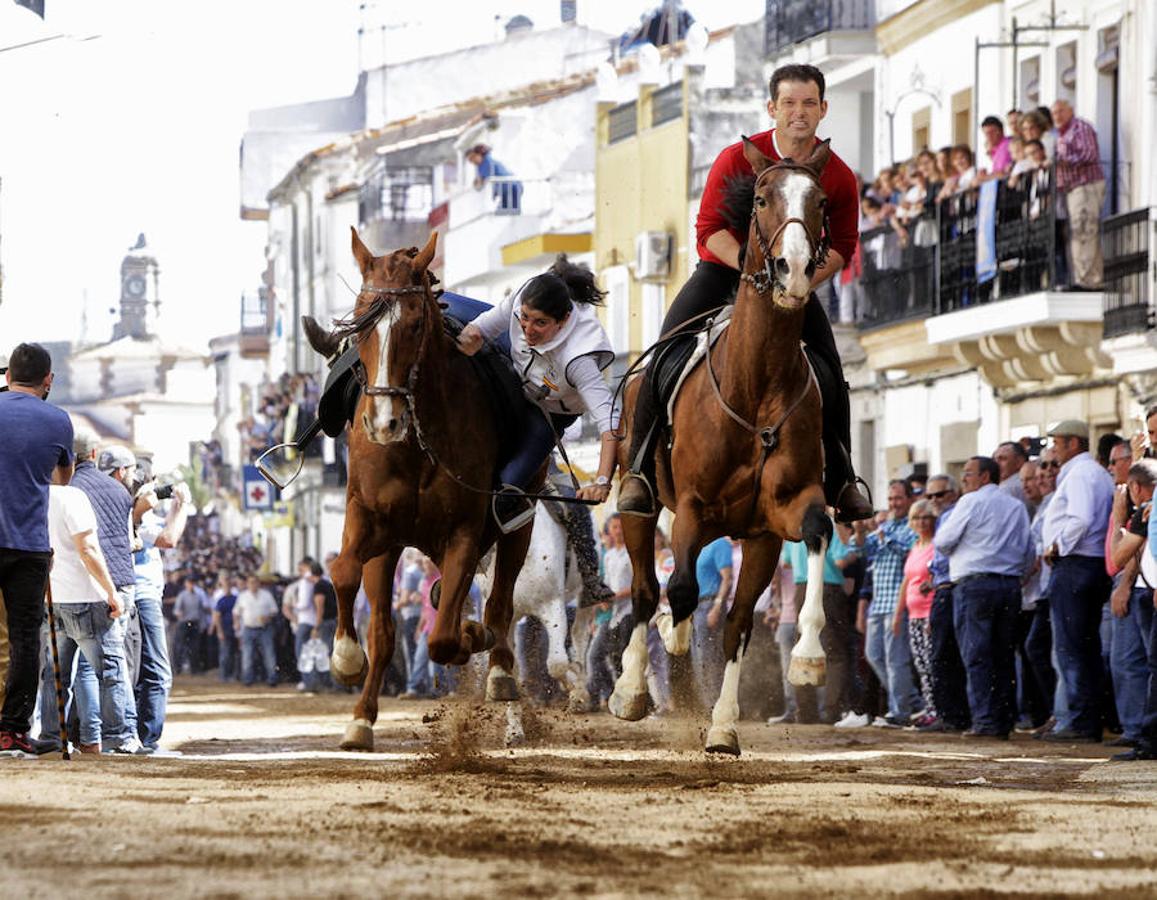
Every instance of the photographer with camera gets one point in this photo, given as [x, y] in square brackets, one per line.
[37, 445]
[157, 530]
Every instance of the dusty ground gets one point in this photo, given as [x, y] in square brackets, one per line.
[261, 805]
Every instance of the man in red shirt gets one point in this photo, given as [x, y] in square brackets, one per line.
[796, 107]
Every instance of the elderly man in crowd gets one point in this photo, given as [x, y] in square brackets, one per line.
[1039, 644]
[1074, 538]
[989, 551]
[949, 680]
[1081, 188]
[253, 616]
[888, 649]
[1010, 457]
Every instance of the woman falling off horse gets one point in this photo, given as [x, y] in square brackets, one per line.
[559, 349]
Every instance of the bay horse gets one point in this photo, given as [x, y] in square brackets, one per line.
[422, 452]
[746, 459]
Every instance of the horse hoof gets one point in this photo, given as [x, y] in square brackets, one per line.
[722, 740]
[348, 663]
[676, 638]
[358, 736]
[630, 709]
[805, 670]
[579, 702]
[500, 687]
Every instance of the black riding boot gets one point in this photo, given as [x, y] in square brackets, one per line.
[581, 535]
[637, 485]
[840, 482]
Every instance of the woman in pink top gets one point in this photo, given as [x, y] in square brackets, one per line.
[916, 600]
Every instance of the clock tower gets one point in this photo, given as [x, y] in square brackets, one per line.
[139, 290]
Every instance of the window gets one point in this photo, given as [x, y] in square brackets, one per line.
[667, 104]
[962, 117]
[622, 122]
[921, 129]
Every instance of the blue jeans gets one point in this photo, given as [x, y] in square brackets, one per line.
[156, 680]
[1077, 592]
[890, 656]
[707, 660]
[987, 610]
[1038, 646]
[949, 680]
[600, 672]
[419, 678]
[1130, 660]
[251, 640]
[227, 653]
[1149, 722]
[86, 627]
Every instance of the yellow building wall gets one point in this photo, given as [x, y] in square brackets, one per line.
[641, 184]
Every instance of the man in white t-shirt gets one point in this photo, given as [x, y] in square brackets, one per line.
[253, 616]
[86, 605]
[299, 608]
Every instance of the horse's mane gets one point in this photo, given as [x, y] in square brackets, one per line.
[355, 323]
[738, 201]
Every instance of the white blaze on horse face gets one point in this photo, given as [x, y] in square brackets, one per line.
[383, 406]
[794, 246]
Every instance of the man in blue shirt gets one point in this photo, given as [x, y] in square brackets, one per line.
[36, 448]
[989, 551]
[888, 653]
[713, 573]
[949, 680]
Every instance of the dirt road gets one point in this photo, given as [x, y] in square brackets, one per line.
[261, 805]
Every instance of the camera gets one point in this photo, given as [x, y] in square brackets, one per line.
[164, 492]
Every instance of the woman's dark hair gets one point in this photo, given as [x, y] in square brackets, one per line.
[1046, 114]
[966, 151]
[559, 288]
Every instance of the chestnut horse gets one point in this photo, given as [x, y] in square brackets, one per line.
[746, 459]
[422, 452]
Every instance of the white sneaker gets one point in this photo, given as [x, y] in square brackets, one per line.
[131, 747]
[853, 720]
[881, 722]
[301, 685]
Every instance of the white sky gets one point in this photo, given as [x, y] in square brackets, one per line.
[138, 129]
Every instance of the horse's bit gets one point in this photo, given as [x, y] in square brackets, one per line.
[766, 279]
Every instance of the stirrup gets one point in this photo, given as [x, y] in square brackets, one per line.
[845, 519]
[648, 496]
[509, 517]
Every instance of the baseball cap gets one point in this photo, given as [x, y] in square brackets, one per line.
[116, 457]
[1070, 428]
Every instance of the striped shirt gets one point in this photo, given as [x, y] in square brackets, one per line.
[887, 551]
[1078, 156]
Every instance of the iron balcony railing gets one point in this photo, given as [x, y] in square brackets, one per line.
[929, 267]
[791, 21]
[1126, 243]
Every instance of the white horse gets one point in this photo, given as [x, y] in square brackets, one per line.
[541, 592]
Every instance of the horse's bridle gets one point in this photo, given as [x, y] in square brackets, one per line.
[371, 319]
[767, 279]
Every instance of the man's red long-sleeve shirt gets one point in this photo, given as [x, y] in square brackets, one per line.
[837, 180]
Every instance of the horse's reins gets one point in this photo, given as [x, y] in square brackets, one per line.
[361, 323]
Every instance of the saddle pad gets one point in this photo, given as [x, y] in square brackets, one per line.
[704, 340]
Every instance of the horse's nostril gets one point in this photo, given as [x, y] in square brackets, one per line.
[781, 266]
[810, 269]
[393, 425]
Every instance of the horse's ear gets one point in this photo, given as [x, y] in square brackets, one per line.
[426, 254]
[820, 157]
[361, 252]
[755, 156]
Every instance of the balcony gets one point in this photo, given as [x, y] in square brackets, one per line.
[975, 283]
[394, 206]
[1127, 242]
[820, 31]
[508, 210]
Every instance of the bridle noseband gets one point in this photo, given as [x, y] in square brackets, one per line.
[766, 280]
[368, 319]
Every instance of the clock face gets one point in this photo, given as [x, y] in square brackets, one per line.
[135, 286]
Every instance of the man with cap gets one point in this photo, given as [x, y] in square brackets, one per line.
[36, 446]
[1073, 535]
[107, 482]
